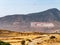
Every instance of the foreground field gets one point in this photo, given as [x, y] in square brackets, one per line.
[30, 38]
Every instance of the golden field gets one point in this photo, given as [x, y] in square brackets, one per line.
[30, 38]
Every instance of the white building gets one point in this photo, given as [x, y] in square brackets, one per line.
[42, 24]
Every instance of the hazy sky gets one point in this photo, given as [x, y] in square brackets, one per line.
[8, 7]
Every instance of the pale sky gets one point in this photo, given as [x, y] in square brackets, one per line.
[9, 7]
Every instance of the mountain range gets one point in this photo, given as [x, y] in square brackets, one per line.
[22, 22]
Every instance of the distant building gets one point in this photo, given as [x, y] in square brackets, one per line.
[42, 24]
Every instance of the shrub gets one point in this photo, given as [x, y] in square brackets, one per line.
[4, 43]
[29, 40]
[52, 37]
[23, 42]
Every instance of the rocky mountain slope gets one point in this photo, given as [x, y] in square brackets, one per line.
[22, 23]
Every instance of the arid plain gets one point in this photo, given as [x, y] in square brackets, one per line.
[29, 38]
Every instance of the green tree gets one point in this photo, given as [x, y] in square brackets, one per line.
[4, 43]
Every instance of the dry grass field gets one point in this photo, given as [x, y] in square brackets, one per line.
[30, 38]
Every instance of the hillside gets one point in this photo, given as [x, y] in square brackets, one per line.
[22, 23]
